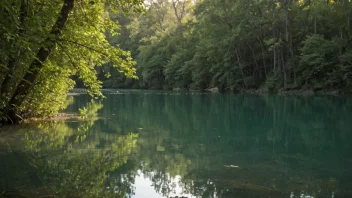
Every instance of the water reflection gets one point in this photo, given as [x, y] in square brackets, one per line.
[145, 187]
[146, 144]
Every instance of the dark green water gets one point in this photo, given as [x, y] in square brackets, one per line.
[163, 144]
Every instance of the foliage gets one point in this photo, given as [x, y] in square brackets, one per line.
[45, 43]
[236, 45]
[317, 60]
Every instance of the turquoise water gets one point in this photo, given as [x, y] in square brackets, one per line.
[180, 144]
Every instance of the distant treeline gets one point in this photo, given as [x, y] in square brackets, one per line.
[237, 45]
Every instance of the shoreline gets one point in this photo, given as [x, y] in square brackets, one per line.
[292, 92]
[259, 91]
[298, 92]
[57, 117]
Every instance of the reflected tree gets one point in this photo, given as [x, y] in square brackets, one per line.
[63, 162]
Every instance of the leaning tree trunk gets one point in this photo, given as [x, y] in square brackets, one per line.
[11, 66]
[28, 80]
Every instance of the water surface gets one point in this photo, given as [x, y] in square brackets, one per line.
[173, 144]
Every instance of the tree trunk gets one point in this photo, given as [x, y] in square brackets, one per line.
[6, 83]
[274, 36]
[263, 57]
[28, 80]
[274, 65]
[315, 25]
[288, 40]
[283, 67]
[255, 62]
[179, 9]
[240, 66]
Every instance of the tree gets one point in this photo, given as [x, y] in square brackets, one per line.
[240, 45]
[56, 39]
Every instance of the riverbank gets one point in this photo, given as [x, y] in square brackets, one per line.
[309, 92]
[78, 91]
[59, 116]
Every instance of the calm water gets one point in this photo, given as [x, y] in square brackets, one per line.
[165, 144]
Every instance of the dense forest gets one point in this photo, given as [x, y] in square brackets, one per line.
[272, 45]
[48, 46]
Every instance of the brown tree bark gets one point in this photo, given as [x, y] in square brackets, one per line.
[240, 66]
[11, 66]
[179, 9]
[263, 57]
[287, 39]
[28, 80]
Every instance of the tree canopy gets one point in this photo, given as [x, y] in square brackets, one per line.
[273, 45]
[45, 43]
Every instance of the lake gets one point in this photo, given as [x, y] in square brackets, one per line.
[146, 144]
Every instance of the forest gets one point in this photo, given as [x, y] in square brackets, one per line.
[272, 45]
[50, 46]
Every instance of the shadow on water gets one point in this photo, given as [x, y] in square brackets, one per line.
[166, 144]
